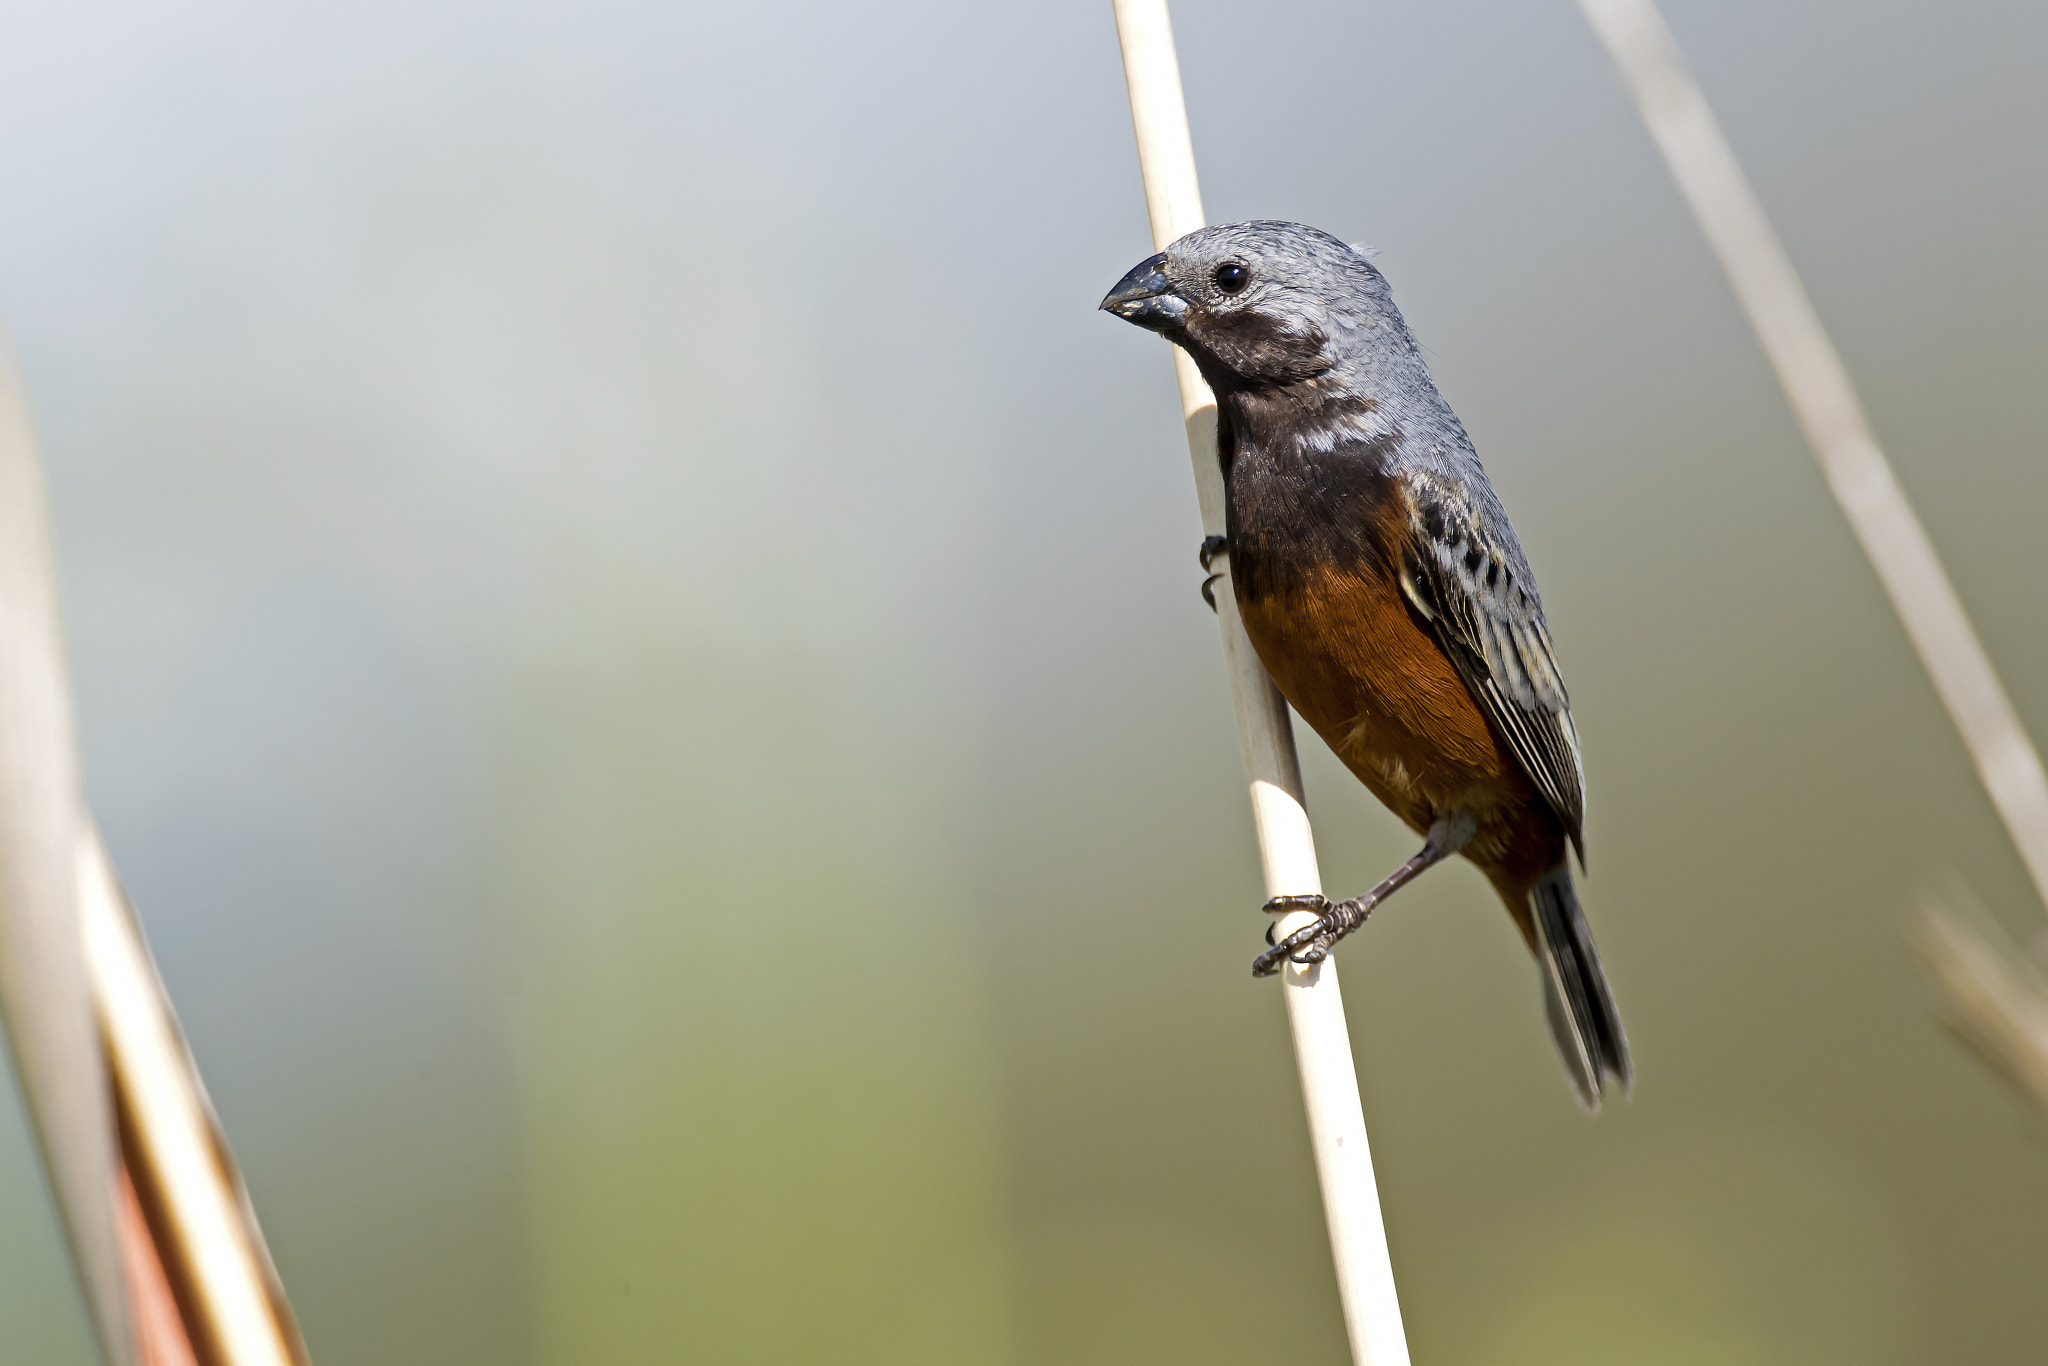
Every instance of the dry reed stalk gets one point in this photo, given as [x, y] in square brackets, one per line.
[44, 993]
[1829, 412]
[1997, 1000]
[204, 1231]
[168, 1252]
[160, 1336]
[1315, 1006]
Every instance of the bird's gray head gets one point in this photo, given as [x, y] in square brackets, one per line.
[1256, 304]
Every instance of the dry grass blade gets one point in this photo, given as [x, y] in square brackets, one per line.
[1315, 1005]
[1825, 402]
[204, 1231]
[43, 990]
[168, 1251]
[1997, 1000]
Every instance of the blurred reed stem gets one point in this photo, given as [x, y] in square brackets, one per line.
[44, 995]
[187, 1186]
[168, 1252]
[1997, 999]
[1994, 1000]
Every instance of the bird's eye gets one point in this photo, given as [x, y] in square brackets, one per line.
[1232, 277]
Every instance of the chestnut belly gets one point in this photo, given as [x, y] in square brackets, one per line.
[1361, 667]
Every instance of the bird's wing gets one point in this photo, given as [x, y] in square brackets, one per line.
[1476, 591]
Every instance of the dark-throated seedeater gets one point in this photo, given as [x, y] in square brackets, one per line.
[1381, 583]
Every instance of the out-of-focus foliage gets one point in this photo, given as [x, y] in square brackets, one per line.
[637, 649]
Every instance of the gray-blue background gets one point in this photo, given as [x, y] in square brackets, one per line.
[637, 649]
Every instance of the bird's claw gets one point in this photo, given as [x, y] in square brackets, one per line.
[1312, 943]
[1212, 546]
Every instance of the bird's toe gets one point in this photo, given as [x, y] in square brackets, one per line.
[1310, 944]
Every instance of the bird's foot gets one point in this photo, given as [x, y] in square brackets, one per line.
[1312, 943]
[1212, 546]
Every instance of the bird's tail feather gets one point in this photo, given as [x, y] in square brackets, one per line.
[1583, 1020]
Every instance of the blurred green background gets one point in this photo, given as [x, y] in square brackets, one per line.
[637, 648]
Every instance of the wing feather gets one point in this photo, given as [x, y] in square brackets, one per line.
[1479, 598]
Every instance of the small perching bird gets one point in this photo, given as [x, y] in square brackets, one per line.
[1382, 585]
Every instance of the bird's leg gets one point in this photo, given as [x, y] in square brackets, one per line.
[1312, 943]
[1212, 546]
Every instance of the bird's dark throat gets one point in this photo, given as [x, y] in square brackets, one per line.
[1254, 348]
[1291, 511]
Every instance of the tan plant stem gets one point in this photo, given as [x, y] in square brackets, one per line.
[44, 994]
[172, 1262]
[1315, 1006]
[1829, 412]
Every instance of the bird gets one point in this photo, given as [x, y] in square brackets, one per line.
[1386, 593]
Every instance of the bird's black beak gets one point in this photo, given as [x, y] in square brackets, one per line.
[1146, 297]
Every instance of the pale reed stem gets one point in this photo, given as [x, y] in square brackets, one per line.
[1315, 1007]
[1825, 402]
[44, 993]
[1994, 1007]
[206, 1231]
[93, 1033]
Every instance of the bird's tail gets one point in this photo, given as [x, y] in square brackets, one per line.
[1583, 1020]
